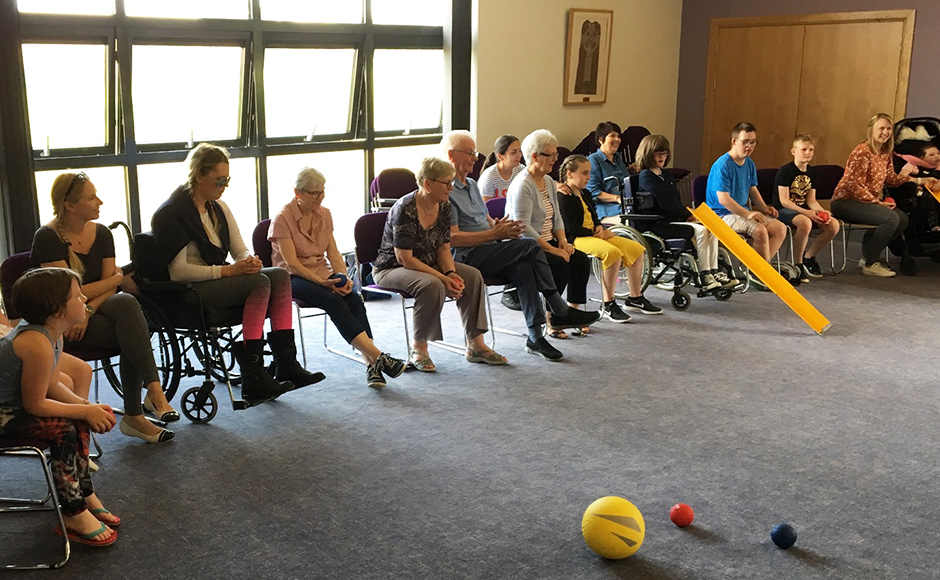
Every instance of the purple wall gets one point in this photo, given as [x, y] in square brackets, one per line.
[923, 91]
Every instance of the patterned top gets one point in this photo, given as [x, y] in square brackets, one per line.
[547, 233]
[403, 230]
[866, 175]
[492, 183]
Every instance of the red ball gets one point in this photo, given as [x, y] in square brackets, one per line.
[823, 215]
[681, 514]
[889, 200]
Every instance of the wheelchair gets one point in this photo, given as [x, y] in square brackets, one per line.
[201, 333]
[670, 265]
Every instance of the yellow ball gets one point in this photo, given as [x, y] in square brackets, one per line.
[613, 527]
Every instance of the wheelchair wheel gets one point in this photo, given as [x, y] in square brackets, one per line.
[220, 360]
[622, 290]
[166, 351]
[189, 403]
[908, 266]
[723, 295]
[681, 301]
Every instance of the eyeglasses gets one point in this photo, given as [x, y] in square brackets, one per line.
[551, 155]
[80, 177]
[222, 182]
[748, 142]
[448, 184]
[320, 193]
[473, 154]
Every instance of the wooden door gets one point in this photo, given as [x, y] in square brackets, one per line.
[850, 73]
[751, 85]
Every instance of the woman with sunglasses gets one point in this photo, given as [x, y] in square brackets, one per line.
[73, 239]
[302, 242]
[195, 233]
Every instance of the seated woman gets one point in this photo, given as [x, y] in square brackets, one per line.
[587, 234]
[74, 240]
[652, 156]
[858, 197]
[533, 201]
[301, 234]
[35, 404]
[415, 257]
[501, 167]
[195, 232]
[608, 170]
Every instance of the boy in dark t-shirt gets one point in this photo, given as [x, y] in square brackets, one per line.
[795, 198]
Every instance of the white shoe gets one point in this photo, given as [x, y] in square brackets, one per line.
[861, 263]
[878, 270]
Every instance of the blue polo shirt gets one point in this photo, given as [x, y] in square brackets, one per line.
[467, 209]
[726, 175]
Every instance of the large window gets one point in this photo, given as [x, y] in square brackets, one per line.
[281, 84]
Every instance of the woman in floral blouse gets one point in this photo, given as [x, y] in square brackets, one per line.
[858, 198]
[415, 257]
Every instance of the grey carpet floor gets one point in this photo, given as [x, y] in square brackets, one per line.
[735, 408]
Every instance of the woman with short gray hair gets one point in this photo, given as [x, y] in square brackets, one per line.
[302, 242]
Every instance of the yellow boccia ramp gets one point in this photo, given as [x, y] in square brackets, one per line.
[613, 527]
[761, 268]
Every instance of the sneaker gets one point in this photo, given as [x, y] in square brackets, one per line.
[612, 312]
[374, 376]
[510, 300]
[804, 273]
[390, 365]
[709, 282]
[755, 283]
[544, 349]
[641, 305]
[725, 280]
[861, 263]
[812, 267]
[878, 270]
[575, 319]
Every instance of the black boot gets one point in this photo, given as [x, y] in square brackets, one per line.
[285, 359]
[257, 384]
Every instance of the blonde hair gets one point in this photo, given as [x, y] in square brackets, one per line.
[202, 159]
[888, 147]
[803, 138]
[650, 146]
[434, 168]
[67, 187]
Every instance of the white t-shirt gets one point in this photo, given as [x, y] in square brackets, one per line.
[492, 185]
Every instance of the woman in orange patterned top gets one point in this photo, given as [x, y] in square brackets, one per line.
[859, 199]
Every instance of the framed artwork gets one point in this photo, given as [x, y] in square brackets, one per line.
[587, 56]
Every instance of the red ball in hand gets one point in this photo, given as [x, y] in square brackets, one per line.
[681, 514]
[889, 200]
[823, 215]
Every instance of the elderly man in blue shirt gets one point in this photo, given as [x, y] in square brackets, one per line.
[497, 249]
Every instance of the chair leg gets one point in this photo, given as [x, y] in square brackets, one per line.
[35, 505]
[352, 357]
[300, 329]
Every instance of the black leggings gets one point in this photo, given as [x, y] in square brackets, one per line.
[573, 274]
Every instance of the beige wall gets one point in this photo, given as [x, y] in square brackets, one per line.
[518, 69]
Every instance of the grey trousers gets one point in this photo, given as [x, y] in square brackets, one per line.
[889, 224]
[429, 294]
[119, 323]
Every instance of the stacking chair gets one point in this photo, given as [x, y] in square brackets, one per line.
[262, 248]
[389, 186]
[15, 448]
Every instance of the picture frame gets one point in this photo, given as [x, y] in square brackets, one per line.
[587, 56]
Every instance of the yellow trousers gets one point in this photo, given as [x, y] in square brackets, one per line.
[616, 249]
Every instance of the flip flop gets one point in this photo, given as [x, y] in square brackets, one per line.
[559, 334]
[422, 362]
[86, 539]
[114, 524]
[583, 331]
[490, 357]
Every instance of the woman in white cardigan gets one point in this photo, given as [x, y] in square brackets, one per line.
[532, 199]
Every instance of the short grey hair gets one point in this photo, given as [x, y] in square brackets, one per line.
[451, 138]
[434, 168]
[536, 142]
[309, 178]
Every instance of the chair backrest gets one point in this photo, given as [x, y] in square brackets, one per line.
[368, 236]
[496, 207]
[145, 264]
[563, 153]
[477, 167]
[765, 184]
[260, 243]
[827, 177]
[393, 184]
[630, 140]
[699, 187]
[587, 145]
[10, 271]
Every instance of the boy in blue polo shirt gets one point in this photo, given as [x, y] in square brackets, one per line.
[732, 183]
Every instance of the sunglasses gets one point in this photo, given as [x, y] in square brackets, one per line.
[80, 177]
[223, 182]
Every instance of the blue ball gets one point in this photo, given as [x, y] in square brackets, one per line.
[340, 279]
[784, 536]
